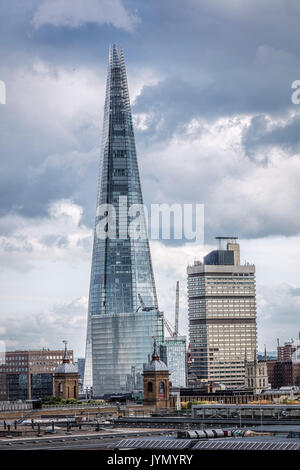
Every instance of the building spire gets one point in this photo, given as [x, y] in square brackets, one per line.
[121, 267]
[255, 357]
[66, 358]
[265, 353]
[155, 355]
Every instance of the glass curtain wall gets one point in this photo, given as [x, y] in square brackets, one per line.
[121, 265]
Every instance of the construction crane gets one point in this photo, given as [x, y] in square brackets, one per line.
[174, 331]
[143, 306]
[169, 327]
[176, 310]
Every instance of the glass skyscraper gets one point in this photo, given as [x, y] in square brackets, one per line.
[173, 353]
[119, 331]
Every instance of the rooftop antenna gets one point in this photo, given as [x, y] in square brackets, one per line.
[255, 357]
[66, 358]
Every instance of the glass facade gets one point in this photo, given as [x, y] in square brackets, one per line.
[173, 353]
[121, 265]
[17, 387]
[121, 344]
[41, 385]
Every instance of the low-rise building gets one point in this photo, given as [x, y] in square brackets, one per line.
[283, 373]
[26, 375]
[256, 375]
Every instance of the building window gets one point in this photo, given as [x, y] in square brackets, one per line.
[162, 388]
[150, 387]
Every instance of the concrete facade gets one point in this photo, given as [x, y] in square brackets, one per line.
[256, 376]
[222, 317]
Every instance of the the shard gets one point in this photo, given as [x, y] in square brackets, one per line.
[123, 315]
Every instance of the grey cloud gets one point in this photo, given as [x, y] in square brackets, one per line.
[295, 291]
[240, 70]
[172, 103]
[262, 135]
[46, 156]
[47, 329]
[279, 304]
[61, 235]
[278, 314]
[76, 13]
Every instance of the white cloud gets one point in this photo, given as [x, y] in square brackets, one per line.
[44, 261]
[76, 13]
[45, 265]
[48, 328]
[62, 104]
[169, 265]
[240, 10]
[240, 196]
[278, 314]
[60, 237]
[57, 100]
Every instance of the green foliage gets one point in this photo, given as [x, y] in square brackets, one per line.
[60, 401]
[51, 400]
[297, 381]
[70, 401]
[96, 402]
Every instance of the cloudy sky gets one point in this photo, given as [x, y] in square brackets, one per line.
[210, 86]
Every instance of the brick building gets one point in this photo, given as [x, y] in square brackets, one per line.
[285, 352]
[282, 373]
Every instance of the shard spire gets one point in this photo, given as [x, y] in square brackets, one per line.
[121, 264]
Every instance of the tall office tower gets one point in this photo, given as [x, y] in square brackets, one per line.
[119, 331]
[222, 315]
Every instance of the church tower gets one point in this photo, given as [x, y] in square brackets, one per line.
[66, 378]
[156, 382]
